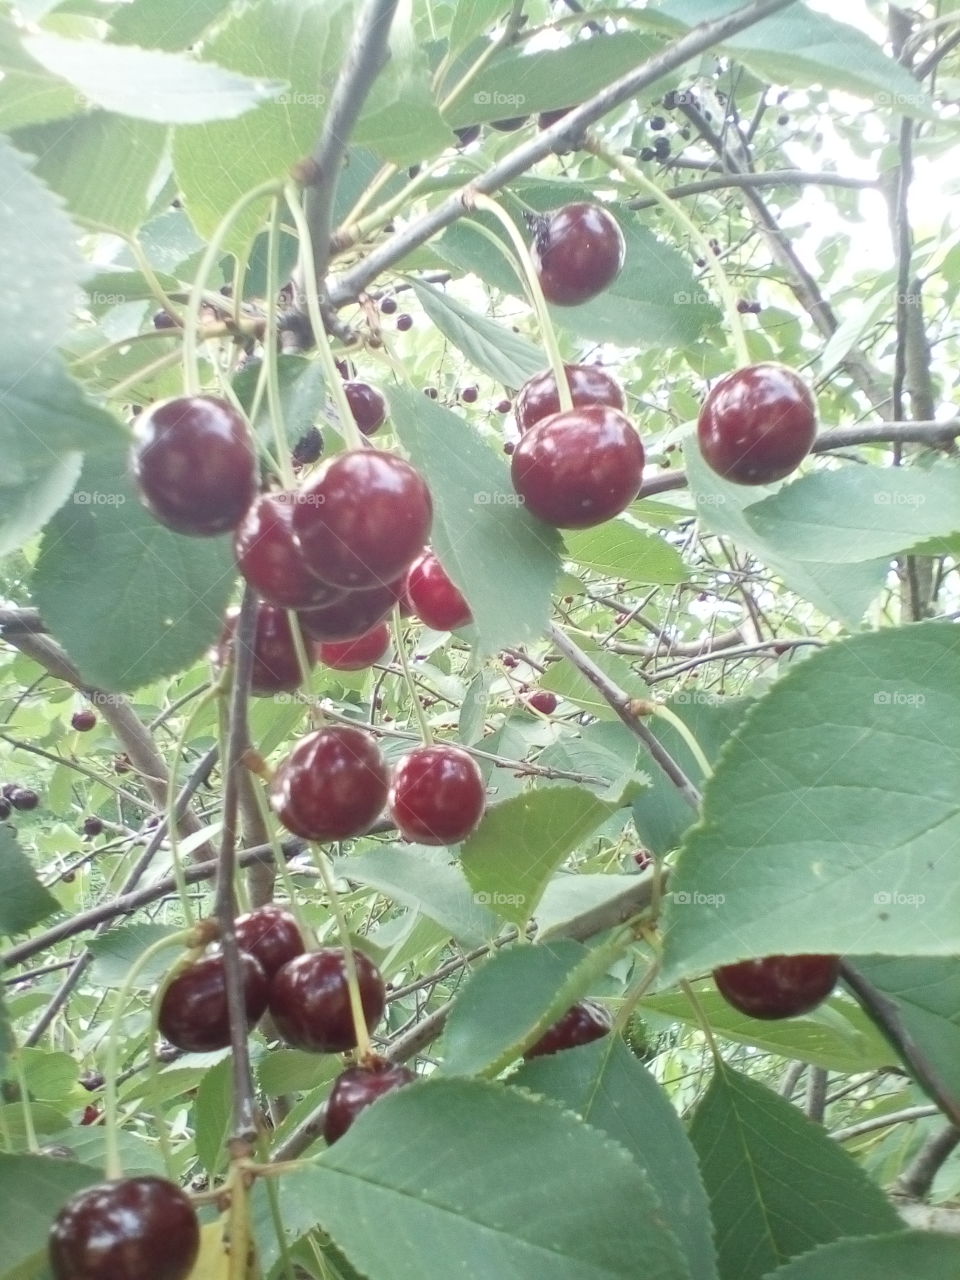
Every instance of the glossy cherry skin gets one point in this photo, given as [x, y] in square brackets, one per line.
[276, 668]
[433, 597]
[83, 721]
[195, 464]
[578, 252]
[356, 1089]
[332, 786]
[583, 1023]
[193, 1009]
[270, 559]
[757, 424]
[125, 1230]
[367, 405]
[355, 655]
[310, 1000]
[778, 986]
[437, 795]
[577, 469]
[24, 799]
[543, 700]
[271, 935]
[353, 616]
[364, 520]
[589, 384]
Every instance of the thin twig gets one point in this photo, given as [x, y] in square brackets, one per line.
[908, 1114]
[917, 1179]
[774, 178]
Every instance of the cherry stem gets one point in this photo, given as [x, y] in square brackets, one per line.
[670, 717]
[636, 993]
[237, 1268]
[364, 1047]
[279, 861]
[425, 730]
[28, 1126]
[270, 349]
[636, 177]
[702, 1019]
[173, 831]
[539, 302]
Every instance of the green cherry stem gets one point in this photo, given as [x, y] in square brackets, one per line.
[364, 1048]
[547, 331]
[270, 351]
[29, 1128]
[425, 731]
[702, 1019]
[173, 827]
[279, 858]
[670, 717]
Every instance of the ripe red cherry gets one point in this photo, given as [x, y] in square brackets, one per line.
[583, 1023]
[275, 665]
[193, 1009]
[778, 986]
[543, 700]
[24, 799]
[271, 935]
[433, 597]
[367, 405]
[83, 721]
[589, 384]
[270, 559]
[437, 795]
[332, 785]
[578, 251]
[310, 1000]
[355, 1089]
[354, 615]
[354, 655]
[577, 469]
[125, 1230]
[195, 464]
[757, 424]
[469, 395]
[363, 521]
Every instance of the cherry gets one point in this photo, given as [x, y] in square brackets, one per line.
[271, 935]
[469, 395]
[503, 406]
[367, 405]
[362, 522]
[276, 668]
[404, 322]
[92, 827]
[24, 799]
[661, 148]
[657, 123]
[195, 463]
[271, 560]
[355, 1089]
[437, 795]
[757, 424]
[544, 701]
[431, 393]
[164, 320]
[193, 1009]
[310, 1000]
[643, 858]
[778, 986]
[388, 306]
[91, 1115]
[433, 597]
[83, 721]
[355, 655]
[577, 469]
[125, 1230]
[354, 615]
[583, 1023]
[332, 785]
[578, 251]
[309, 448]
[589, 384]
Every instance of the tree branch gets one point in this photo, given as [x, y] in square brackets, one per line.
[907, 1115]
[774, 178]
[917, 1179]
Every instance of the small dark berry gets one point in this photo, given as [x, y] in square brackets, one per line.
[657, 123]
[469, 395]
[388, 306]
[662, 148]
[84, 720]
[503, 406]
[164, 320]
[404, 322]
[430, 392]
[24, 799]
[647, 153]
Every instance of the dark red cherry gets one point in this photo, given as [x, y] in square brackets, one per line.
[404, 322]
[24, 799]
[503, 406]
[543, 700]
[92, 827]
[583, 1023]
[193, 1009]
[578, 251]
[355, 655]
[469, 395]
[270, 559]
[437, 795]
[367, 405]
[125, 1230]
[164, 320]
[84, 720]
[778, 986]
[271, 935]
[363, 521]
[310, 1000]
[433, 597]
[388, 305]
[589, 384]
[757, 424]
[355, 1089]
[332, 785]
[195, 464]
[577, 469]
[353, 616]
[276, 668]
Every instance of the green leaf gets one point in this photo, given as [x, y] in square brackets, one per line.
[33, 1190]
[26, 507]
[423, 879]
[777, 1184]
[618, 549]
[569, 682]
[28, 93]
[164, 24]
[147, 84]
[24, 901]
[605, 750]
[825, 823]
[494, 350]
[520, 843]
[116, 951]
[104, 556]
[472, 19]
[8, 1042]
[293, 1071]
[921, 1255]
[459, 1169]
[50, 1077]
[606, 1085]
[478, 523]
[212, 1113]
